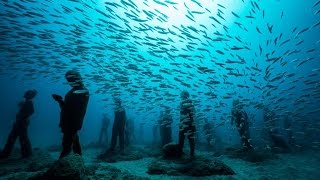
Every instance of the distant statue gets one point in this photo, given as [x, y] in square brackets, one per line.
[166, 127]
[73, 110]
[20, 127]
[119, 123]
[141, 132]
[278, 141]
[187, 127]
[155, 133]
[208, 132]
[129, 132]
[287, 123]
[103, 137]
[240, 117]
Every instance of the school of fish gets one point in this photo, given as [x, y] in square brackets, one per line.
[132, 49]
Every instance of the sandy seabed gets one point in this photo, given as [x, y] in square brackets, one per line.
[295, 166]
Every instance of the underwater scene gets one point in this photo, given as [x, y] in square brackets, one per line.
[159, 89]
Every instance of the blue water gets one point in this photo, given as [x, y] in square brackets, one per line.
[104, 44]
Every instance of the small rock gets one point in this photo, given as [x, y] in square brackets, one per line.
[70, 167]
[199, 166]
[14, 165]
[171, 150]
[115, 156]
[255, 156]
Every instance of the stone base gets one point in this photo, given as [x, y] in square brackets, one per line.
[198, 166]
[253, 156]
[130, 154]
[70, 167]
[16, 168]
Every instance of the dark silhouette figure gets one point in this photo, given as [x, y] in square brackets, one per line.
[103, 137]
[155, 133]
[118, 126]
[288, 127]
[20, 127]
[277, 139]
[141, 132]
[73, 110]
[208, 128]
[187, 126]
[240, 117]
[165, 127]
[129, 132]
